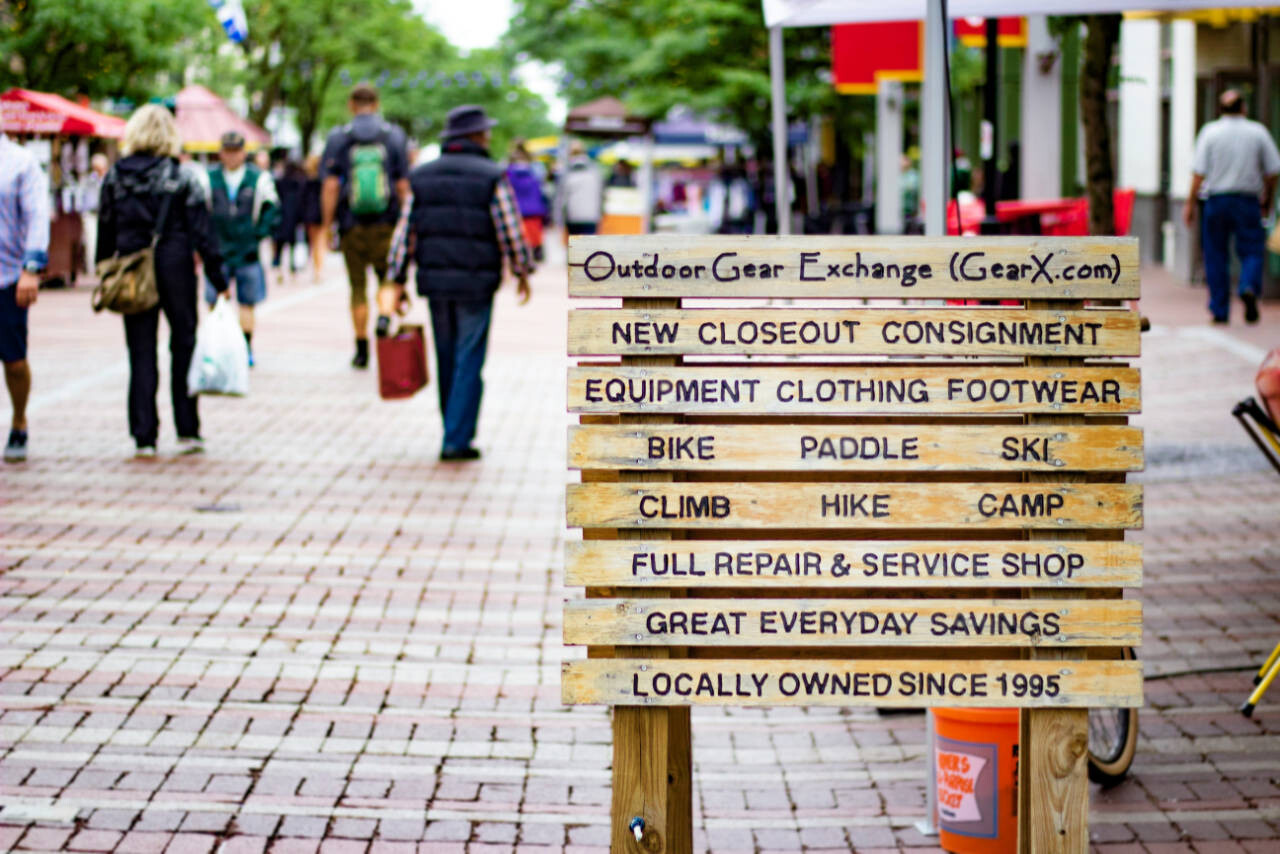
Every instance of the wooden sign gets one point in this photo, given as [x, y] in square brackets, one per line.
[854, 505]
[667, 265]
[883, 683]
[857, 389]
[853, 622]
[770, 565]
[854, 332]
[757, 447]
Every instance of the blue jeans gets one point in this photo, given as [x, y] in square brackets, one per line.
[1237, 214]
[460, 328]
[249, 281]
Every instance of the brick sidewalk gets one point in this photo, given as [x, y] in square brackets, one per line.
[317, 638]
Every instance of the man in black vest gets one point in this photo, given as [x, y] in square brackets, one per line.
[463, 221]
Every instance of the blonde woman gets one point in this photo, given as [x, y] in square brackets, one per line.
[311, 216]
[133, 195]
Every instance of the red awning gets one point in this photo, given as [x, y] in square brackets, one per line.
[26, 111]
[203, 118]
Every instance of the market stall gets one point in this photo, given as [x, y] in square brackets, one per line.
[58, 132]
[203, 118]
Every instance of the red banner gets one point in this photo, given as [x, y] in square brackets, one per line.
[1011, 32]
[863, 54]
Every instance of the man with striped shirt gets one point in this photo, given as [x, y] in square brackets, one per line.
[24, 252]
[464, 222]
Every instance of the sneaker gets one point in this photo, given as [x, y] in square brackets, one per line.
[145, 452]
[1221, 321]
[188, 445]
[360, 359]
[458, 455]
[1250, 308]
[16, 450]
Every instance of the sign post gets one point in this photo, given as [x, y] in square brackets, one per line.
[851, 503]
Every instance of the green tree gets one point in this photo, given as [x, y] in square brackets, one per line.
[711, 55]
[98, 48]
[306, 54]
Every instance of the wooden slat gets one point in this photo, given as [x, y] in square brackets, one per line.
[793, 564]
[854, 389]
[814, 682]
[1010, 623]
[725, 447]
[854, 332]
[664, 265]
[854, 506]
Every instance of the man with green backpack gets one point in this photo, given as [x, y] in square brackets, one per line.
[365, 171]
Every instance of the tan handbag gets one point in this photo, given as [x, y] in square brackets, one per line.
[127, 283]
[1273, 239]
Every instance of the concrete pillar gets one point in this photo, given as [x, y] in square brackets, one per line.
[1139, 131]
[889, 157]
[1041, 131]
[1180, 244]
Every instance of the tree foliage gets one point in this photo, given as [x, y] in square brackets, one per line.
[99, 48]
[710, 55]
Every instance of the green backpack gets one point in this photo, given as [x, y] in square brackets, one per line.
[367, 193]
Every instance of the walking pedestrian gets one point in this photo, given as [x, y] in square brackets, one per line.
[1235, 168]
[24, 253]
[245, 210]
[312, 219]
[134, 197]
[90, 195]
[290, 187]
[583, 193]
[463, 221]
[364, 171]
[527, 185]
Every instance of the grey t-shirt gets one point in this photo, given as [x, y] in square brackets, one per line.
[1234, 154]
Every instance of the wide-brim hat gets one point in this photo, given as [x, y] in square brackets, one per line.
[466, 120]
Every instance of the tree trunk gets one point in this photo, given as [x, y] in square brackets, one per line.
[1100, 178]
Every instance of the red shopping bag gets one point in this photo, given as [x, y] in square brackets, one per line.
[402, 363]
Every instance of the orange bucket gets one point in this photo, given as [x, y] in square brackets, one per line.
[976, 761]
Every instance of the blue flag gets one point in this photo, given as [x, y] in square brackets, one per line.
[231, 15]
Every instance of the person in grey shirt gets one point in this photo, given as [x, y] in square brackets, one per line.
[1235, 168]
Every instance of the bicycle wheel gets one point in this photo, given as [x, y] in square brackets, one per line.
[1113, 741]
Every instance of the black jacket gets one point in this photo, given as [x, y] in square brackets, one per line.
[457, 250]
[130, 205]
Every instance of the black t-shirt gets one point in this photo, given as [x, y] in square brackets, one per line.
[336, 161]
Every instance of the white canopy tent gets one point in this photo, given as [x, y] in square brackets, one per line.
[812, 13]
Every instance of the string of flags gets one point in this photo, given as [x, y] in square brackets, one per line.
[232, 18]
[461, 79]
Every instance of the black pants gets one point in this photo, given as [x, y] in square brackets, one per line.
[140, 332]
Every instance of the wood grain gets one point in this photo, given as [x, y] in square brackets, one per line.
[1011, 623]
[854, 332]
[854, 389]
[817, 448]
[818, 682]
[665, 265]
[858, 506]
[764, 565]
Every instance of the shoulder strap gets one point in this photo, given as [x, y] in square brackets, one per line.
[169, 188]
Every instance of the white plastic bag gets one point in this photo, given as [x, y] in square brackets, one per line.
[220, 364]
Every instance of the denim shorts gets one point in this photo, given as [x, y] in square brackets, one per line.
[250, 284]
[13, 326]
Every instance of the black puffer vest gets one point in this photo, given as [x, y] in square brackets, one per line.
[457, 246]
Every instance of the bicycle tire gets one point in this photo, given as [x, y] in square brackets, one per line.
[1113, 741]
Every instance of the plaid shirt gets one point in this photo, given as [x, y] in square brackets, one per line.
[24, 211]
[506, 221]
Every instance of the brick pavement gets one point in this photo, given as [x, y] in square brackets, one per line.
[317, 638]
